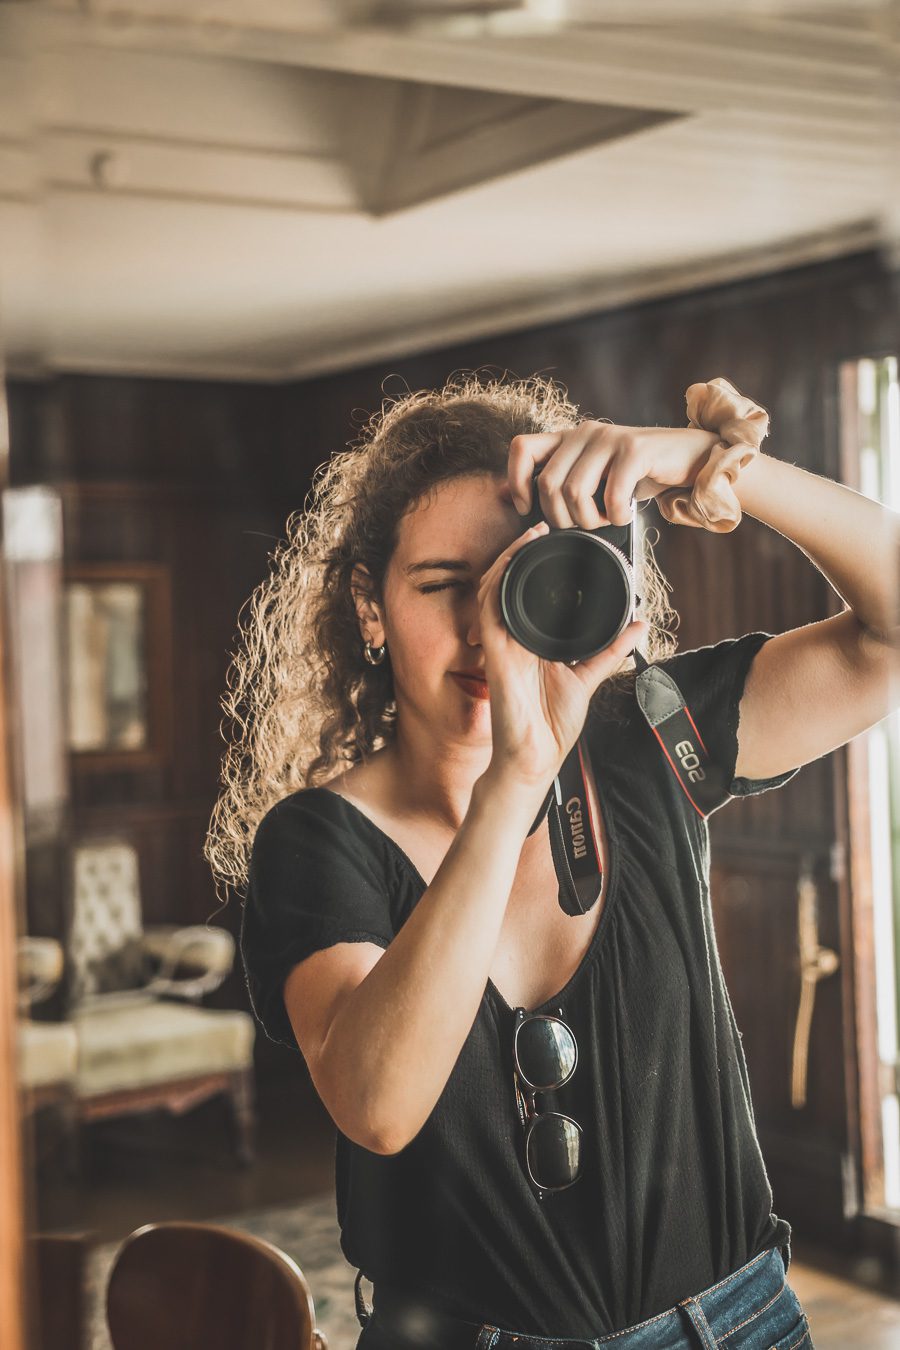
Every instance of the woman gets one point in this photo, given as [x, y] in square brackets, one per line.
[393, 748]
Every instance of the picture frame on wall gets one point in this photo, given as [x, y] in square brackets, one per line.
[117, 638]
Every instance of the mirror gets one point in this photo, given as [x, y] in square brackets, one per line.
[228, 234]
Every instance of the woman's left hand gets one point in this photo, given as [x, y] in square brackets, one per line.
[632, 462]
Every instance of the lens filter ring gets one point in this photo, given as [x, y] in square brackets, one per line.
[567, 595]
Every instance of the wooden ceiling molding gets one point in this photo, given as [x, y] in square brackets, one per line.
[411, 143]
[271, 191]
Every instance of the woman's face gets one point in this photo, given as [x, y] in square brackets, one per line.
[432, 633]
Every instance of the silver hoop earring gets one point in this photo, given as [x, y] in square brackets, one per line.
[369, 652]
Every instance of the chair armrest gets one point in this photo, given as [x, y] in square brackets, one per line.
[39, 968]
[212, 949]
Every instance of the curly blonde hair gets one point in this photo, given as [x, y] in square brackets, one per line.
[302, 701]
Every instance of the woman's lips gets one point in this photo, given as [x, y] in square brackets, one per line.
[477, 688]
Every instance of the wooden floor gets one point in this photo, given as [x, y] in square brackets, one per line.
[155, 1167]
[843, 1314]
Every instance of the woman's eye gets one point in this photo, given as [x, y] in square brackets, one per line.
[439, 586]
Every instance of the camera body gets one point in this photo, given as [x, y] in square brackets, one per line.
[567, 595]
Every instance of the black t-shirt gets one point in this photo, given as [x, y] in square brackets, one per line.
[673, 1193]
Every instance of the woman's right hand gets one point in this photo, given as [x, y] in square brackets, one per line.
[538, 707]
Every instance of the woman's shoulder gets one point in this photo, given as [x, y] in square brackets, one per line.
[325, 817]
[344, 783]
[296, 806]
[306, 814]
[702, 669]
[700, 673]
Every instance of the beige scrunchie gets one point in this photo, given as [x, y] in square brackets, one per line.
[710, 503]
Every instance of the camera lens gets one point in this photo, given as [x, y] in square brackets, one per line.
[567, 595]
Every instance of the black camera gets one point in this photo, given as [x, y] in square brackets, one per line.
[568, 594]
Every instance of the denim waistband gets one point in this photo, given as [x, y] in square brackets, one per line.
[701, 1319]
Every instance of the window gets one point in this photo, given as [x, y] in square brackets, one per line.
[870, 446]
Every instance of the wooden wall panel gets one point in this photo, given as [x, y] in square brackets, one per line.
[172, 474]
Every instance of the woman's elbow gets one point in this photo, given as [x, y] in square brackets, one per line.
[386, 1141]
[370, 1126]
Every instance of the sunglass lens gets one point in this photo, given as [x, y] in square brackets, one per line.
[554, 1151]
[546, 1052]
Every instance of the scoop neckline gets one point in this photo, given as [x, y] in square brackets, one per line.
[599, 931]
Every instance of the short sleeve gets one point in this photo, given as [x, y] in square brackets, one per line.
[712, 681]
[313, 882]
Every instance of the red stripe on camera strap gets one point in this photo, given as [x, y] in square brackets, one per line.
[573, 835]
[674, 766]
[574, 839]
[670, 720]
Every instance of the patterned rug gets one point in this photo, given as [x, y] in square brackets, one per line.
[309, 1234]
[841, 1313]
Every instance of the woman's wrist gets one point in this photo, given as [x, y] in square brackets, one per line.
[740, 425]
[521, 799]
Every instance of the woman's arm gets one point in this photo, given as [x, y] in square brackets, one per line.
[853, 540]
[809, 690]
[814, 688]
[395, 1038]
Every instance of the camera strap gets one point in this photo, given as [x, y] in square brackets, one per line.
[574, 839]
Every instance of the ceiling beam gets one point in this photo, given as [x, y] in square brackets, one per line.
[669, 71]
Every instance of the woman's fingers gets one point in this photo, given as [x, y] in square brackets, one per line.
[525, 452]
[610, 459]
[620, 490]
[565, 501]
[593, 460]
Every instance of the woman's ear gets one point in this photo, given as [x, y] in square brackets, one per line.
[368, 611]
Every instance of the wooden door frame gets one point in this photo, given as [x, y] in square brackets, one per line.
[12, 1193]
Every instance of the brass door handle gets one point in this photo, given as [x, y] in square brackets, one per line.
[816, 963]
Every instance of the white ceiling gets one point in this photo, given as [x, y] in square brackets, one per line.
[266, 189]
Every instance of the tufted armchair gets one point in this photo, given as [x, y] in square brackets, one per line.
[133, 996]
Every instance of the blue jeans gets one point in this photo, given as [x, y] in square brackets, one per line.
[754, 1307]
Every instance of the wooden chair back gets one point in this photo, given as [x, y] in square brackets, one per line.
[198, 1286]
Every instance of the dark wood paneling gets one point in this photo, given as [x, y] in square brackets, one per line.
[222, 438]
[177, 476]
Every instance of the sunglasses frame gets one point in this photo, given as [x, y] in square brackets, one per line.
[526, 1092]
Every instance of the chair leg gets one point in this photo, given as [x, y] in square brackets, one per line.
[243, 1110]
